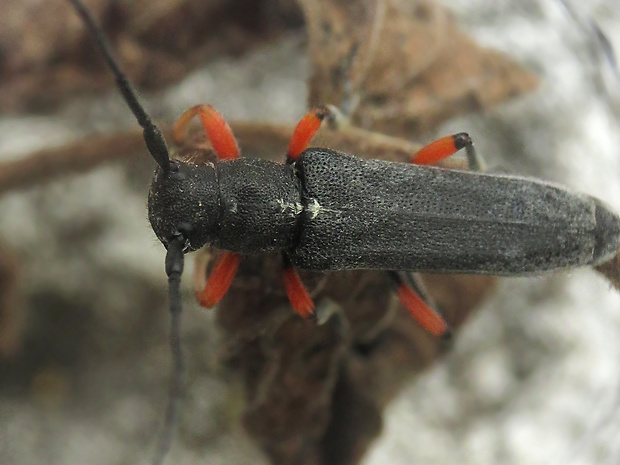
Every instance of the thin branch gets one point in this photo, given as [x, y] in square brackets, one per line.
[77, 157]
[258, 139]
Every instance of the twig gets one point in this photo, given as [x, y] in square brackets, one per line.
[77, 157]
[258, 139]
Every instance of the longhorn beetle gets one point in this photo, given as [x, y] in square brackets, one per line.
[327, 210]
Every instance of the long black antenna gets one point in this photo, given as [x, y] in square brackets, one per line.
[175, 257]
[153, 137]
[174, 270]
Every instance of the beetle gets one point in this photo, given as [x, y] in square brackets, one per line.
[325, 210]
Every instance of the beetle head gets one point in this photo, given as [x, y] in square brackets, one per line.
[185, 201]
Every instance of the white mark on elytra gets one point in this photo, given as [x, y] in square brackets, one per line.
[314, 209]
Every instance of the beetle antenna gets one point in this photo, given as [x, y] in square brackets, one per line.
[153, 137]
[174, 270]
[158, 149]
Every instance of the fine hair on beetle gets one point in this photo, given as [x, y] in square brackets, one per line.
[325, 210]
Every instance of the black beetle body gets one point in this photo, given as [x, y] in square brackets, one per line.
[333, 211]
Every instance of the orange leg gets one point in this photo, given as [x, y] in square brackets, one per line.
[305, 131]
[426, 316]
[220, 279]
[443, 148]
[217, 129]
[296, 291]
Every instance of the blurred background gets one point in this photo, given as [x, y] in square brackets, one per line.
[533, 376]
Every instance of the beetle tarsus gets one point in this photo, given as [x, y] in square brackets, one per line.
[474, 160]
[447, 336]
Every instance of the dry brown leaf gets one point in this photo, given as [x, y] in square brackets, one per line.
[307, 386]
[402, 66]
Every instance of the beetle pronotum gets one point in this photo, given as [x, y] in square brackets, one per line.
[326, 210]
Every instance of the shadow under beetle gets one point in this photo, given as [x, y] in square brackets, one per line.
[327, 210]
